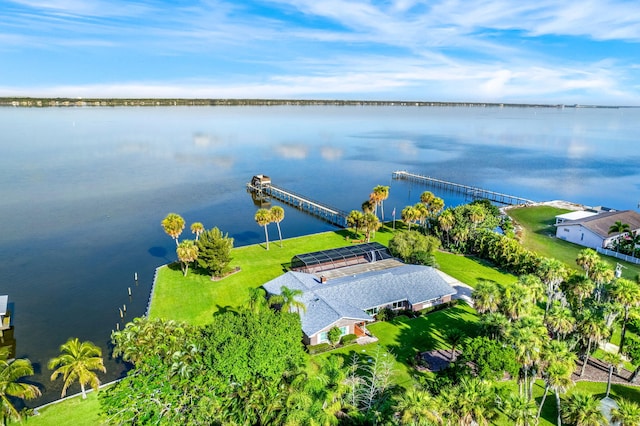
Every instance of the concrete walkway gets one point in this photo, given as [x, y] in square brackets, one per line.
[463, 290]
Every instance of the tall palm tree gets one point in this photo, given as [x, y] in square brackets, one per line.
[486, 296]
[173, 225]
[626, 414]
[592, 328]
[528, 344]
[495, 325]
[382, 193]
[409, 215]
[557, 377]
[586, 259]
[601, 274]
[287, 300]
[519, 409]
[583, 409]
[615, 362]
[197, 228]
[446, 220]
[626, 293]
[552, 272]
[577, 288]
[560, 321]
[515, 301]
[421, 214]
[77, 362]
[426, 197]
[263, 218]
[277, 216]
[11, 374]
[187, 252]
[370, 224]
[354, 220]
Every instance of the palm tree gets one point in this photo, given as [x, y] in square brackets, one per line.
[577, 288]
[426, 197]
[77, 362]
[582, 409]
[626, 293]
[370, 224]
[560, 321]
[418, 407]
[453, 336]
[277, 216]
[409, 215]
[557, 377]
[528, 344]
[187, 252]
[476, 214]
[519, 409]
[586, 259]
[257, 299]
[263, 218]
[486, 296]
[197, 228]
[446, 220]
[381, 193]
[11, 373]
[601, 274]
[615, 362]
[619, 228]
[355, 219]
[495, 325]
[515, 301]
[592, 328]
[421, 214]
[173, 225]
[552, 272]
[626, 414]
[287, 300]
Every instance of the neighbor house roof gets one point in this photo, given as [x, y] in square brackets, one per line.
[576, 215]
[600, 223]
[350, 296]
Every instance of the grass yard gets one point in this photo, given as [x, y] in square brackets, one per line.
[469, 270]
[405, 337]
[73, 411]
[539, 236]
[195, 298]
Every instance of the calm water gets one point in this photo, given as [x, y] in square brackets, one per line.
[84, 190]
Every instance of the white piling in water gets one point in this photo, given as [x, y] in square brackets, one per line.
[124, 308]
[121, 313]
[118, 326]
[129, 290]
[135, 276]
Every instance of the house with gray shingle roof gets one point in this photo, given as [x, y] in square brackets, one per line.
[593, 231]
[350, 302]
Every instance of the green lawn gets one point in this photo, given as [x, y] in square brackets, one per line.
[405, 337]
[72, 411]
[195, 298]
[539, 236]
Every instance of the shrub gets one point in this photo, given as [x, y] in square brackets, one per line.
[334, 335]
[385, 314]
[318, 349]
[348, 339]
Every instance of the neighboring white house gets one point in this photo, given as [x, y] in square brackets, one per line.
[592, 230]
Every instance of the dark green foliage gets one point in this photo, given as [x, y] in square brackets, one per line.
[319, 348]
[348, 339]
[237, 370]
[492, 209]
[385, 314]
[413, 247]
[334, 335]
[214, 251]
[490, 357]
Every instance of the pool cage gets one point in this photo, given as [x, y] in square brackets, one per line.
[325, 260]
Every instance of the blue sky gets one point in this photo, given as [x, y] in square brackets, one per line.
[548, 51]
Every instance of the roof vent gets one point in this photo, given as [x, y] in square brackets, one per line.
[323, 279]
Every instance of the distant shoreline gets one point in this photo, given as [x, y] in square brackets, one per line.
[28, 102]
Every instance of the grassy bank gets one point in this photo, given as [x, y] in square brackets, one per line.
[539, 235]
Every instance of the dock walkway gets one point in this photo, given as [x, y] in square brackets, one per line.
[328, 213]
[471, 191]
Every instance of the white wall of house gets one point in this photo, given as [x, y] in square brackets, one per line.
[578, 234]
[347, 326]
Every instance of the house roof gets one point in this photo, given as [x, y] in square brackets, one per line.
[350, 296]
[600, 223]
[576, 215]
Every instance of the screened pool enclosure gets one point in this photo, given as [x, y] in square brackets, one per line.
[325, 260]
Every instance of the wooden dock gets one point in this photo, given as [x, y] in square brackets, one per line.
[471, 191]
[265, 188]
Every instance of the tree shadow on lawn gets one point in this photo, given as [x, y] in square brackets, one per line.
[427, 333]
